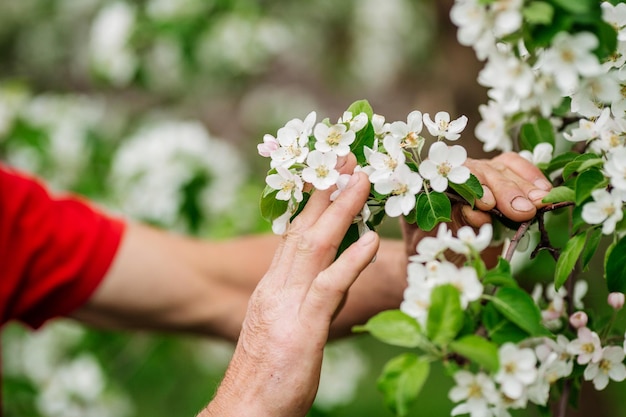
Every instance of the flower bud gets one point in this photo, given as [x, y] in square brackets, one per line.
[616, 300]
[578, 319]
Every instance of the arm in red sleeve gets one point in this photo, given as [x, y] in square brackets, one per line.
[54, 252]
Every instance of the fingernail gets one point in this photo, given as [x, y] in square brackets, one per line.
[543, 184]
[341, 161]
[487, 197]
[354, 178]
[367, 238]
[536, 195]
[522, 204]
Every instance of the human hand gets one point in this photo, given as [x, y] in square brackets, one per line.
[276, 365]
[511, 184]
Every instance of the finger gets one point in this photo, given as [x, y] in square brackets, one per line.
[525, 169]
[293, 238]
[511, 192]
[317, 248]
[474, 218]
[330, 287]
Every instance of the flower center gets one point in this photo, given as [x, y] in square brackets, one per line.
[588, 348]
[444, 169]
[609, 210]
[412, 140]
[333, 138]
[605, 366]
[287, 186]
[510, 367]
[321, 171]
[401, 190]
[568, 55]
[391, 163]
[475, 391]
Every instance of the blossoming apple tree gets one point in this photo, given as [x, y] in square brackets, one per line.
[556, 75]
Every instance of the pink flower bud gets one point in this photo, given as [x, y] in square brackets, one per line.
[269, 145]
[578, 319]
[616, 300]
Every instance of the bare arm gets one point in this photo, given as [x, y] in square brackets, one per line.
[162, 281]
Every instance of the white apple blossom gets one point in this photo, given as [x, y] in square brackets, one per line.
[474, 22]
[303, 128]
[606, 208]
[293, 148]
[416, 298]
[384, 164]
[507, 16]
[442, 127]
[507, 72]
[615, 168]
[609, 366]
[444, 163]
[468, 242]
[429, 248]
[492, 130]
[517, 370]
[545, 95]
[593, 92]
[612, 136]
[616, 16]
[356, 123]
[465, 280]
[589, 129]
[403, 185]
[380, 127]
[570, 57]
[335, 138]
[280, 224]
[586, 346]
[288, 184]
[409, 133]
[541, 154]
[321, 170]
[477, 391]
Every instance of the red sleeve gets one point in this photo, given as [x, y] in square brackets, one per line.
[53, 251]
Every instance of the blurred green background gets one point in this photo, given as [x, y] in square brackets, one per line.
[153, 109]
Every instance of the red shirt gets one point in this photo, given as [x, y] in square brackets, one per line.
[53, 251]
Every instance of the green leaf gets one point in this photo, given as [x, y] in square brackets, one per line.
[445, 315]
[470, 190]
[517, 306]
[431, 209]
[576, 7]
[351, 236]
[561, 160]
[532, 134]
[393, 327]
[500, 329]
[615, 267]
[401, 381]
[560, 194]
[582, 163]
[538, 13]
[593, 240]
[501, 275]
[477, 349]
[568, 258]
[271, 208]
[588, 181]
[361, 106]
[364, 137]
